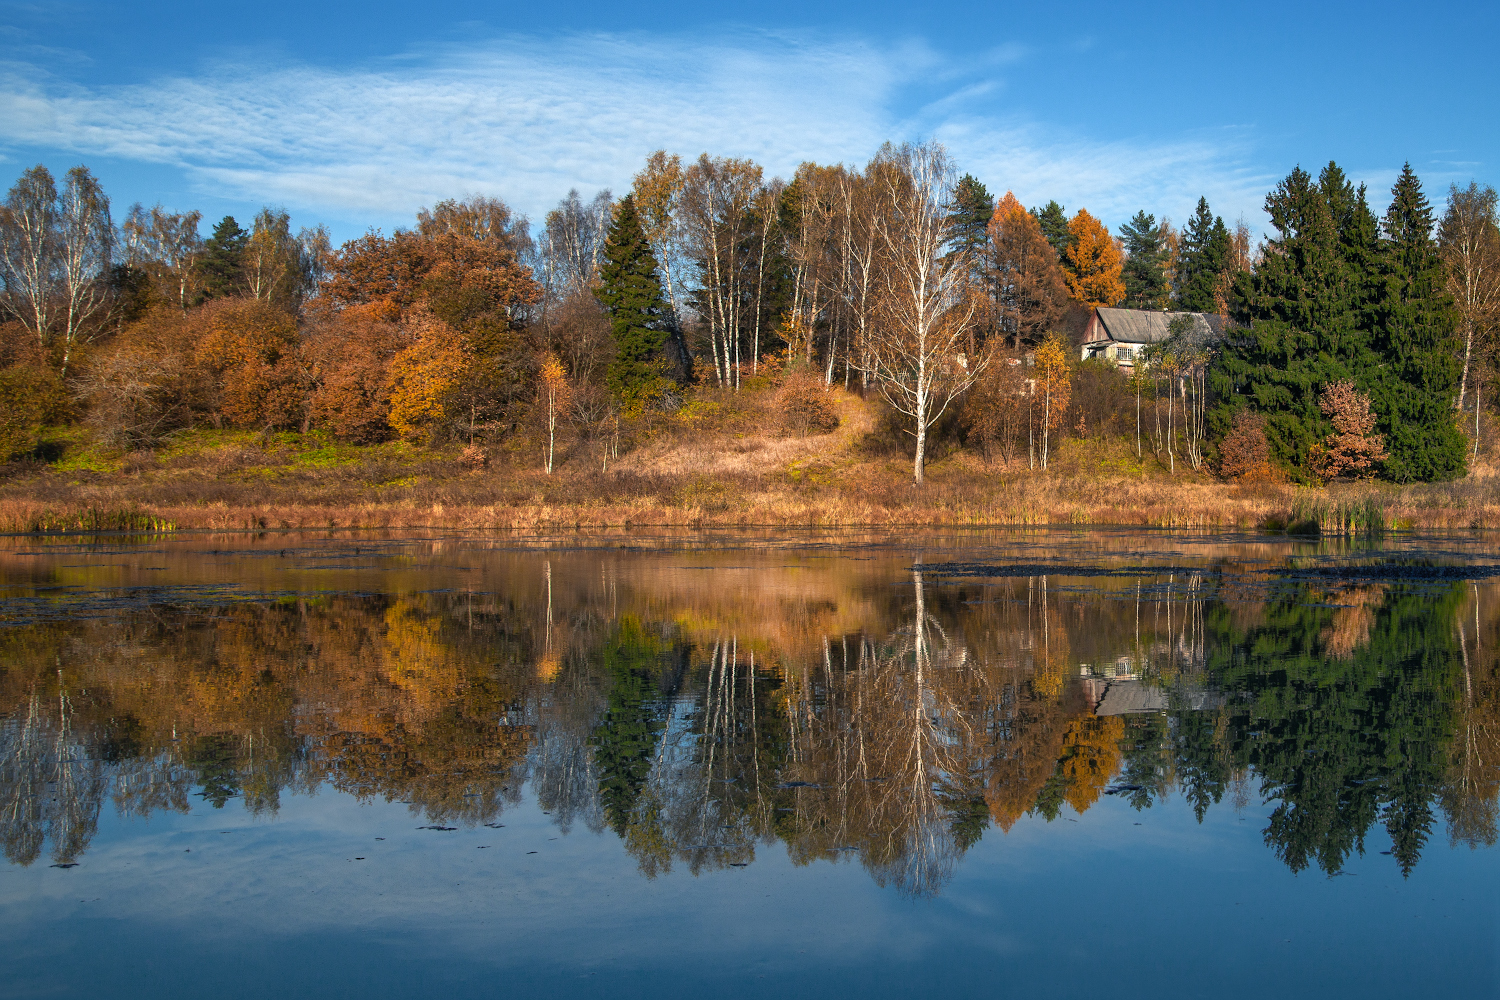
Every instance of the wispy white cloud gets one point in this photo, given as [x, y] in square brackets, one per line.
[527, 118]
[1112, 179]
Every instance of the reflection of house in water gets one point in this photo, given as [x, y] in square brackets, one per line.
[1116, 689]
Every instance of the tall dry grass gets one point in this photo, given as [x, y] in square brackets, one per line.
[723, 461]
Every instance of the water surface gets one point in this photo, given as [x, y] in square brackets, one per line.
[1042, 764]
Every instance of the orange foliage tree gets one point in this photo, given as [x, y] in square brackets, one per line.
[249, 353]
[348, 356]
[1029, 290]
[1353, 447]
[1093, 263]
[474, 365]
[408, 268]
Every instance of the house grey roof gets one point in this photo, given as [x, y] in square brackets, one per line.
[1136, 326]
[1129, 697]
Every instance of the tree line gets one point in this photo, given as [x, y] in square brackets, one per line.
[1345, 344]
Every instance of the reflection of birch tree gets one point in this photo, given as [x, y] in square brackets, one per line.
[866, 771]
[1471, 792]
[23, 784]
[50, 786]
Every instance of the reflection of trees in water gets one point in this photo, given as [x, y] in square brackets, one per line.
[699, 723]
[856, 753]
[50, 787]
[411, 699]
[1471, 792]
[1342, 704]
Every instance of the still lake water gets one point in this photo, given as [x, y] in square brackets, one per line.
[1015, 764]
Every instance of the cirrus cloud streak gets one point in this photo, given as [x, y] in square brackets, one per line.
[528, 118]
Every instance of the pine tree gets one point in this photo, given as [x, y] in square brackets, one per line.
[1204, 258]
[973, 205]
[1054, 223]
[1416, 333]
[1145, 269]
[222, 265]
[631, 293]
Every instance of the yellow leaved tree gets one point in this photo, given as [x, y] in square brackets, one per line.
[1054, 383]
[556, 394]
[1092, 263]
[423, 376]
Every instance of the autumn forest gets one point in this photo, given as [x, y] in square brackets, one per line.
[717, 344]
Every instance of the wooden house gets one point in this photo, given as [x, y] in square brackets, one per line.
[1119, 335]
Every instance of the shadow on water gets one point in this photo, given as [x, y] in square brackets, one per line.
[890, 707]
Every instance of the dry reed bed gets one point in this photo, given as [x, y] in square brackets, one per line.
[861, 499]
[725, 466]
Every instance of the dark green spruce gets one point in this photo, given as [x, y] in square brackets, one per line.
[222, 264]
[1145, 272]
[1418, 338]
[1304, 313]
[1340, 296]
[1054, 222]
[1202, 261]
[630, 291]
[969, 221]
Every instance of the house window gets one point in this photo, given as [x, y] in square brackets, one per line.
[1123, 353]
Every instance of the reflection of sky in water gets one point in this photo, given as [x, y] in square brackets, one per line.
[176, 907]
[621, 684]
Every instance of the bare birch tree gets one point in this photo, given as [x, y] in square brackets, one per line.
[923, 310]
[862, 206]
[86, 235]
[573, 242]
[164, 245]
[478, 217]
[718, 227]
[1469, 240]
[812, 245]
[29, 251]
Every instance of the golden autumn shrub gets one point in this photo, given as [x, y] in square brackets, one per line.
[995, 410]
[1245, 454]
[30, 395]
[423, 376]
[147, 382]
[804, 405]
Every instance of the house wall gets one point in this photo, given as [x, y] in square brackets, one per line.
[1122, 354]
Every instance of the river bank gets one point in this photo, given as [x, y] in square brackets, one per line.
[873, 494]
[718, 462]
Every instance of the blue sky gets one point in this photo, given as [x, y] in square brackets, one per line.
[358, 115]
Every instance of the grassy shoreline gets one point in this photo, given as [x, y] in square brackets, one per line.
[719, 462]
[627, 501]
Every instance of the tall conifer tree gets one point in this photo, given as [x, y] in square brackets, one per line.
[973, 205]
[1202, 261]
[223, 260]
[1054, 223]
[1145, 269]
[1340, 297]
[631, 293]
[1417, 334]
[1304, 309]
